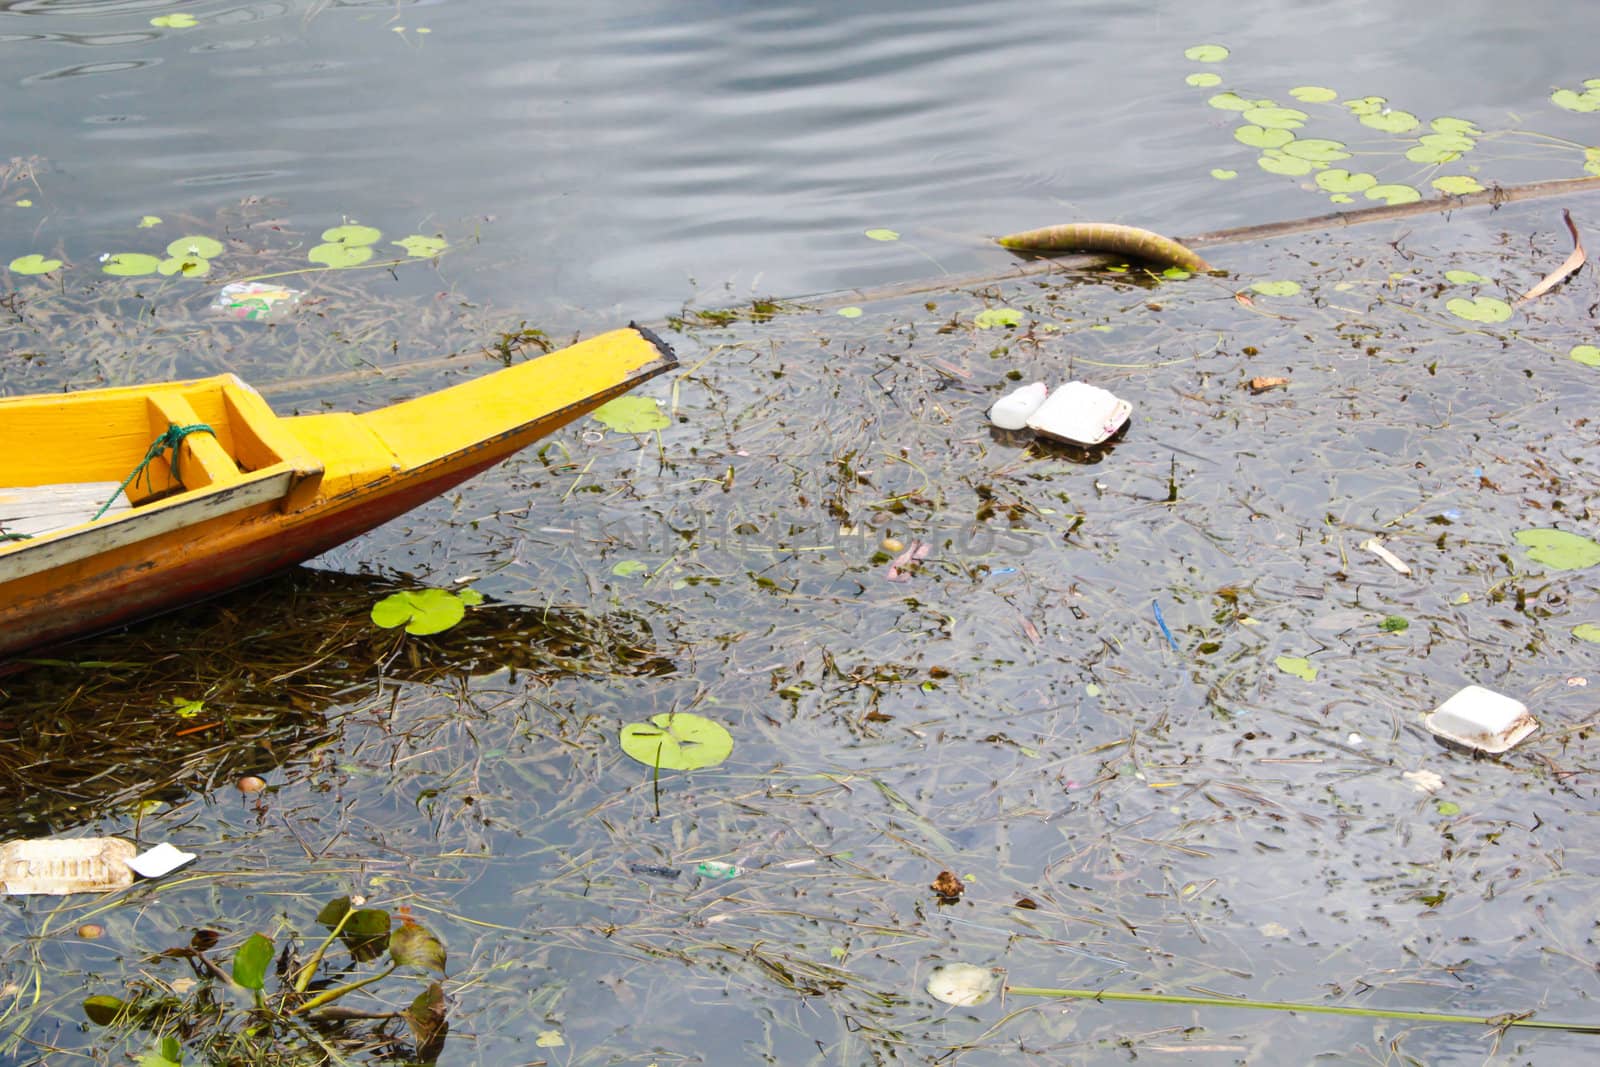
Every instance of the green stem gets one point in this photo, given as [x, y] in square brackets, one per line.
[309, 970]
[329, 995]
[1498, 1021]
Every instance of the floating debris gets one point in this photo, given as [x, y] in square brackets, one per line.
[160, 860]
[1012, 411]
[1424, 781]
[1481, 719]
[1080, 414]
[1262, 384]
[60, 867]
[963, 985]
[1375, 546]
[948, 887]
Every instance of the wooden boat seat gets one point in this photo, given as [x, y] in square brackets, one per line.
[32, 510]
[201, 461]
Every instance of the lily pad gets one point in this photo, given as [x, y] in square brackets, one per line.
[851, 312]
[1446, 124]
[1276, 288]
[1587, 631]
[1206, 53]
[1317, 149]
[130, 264]
[351, 234]
[1366, 105]
[1275, 161]
[420, 246]
[1230, 101]
[627, 567]
[420, 611]
[187, 266]
[1394, 194]
[1479, 309]
[1588, 355]
[1298, 666]
[34, 264]
[148, 221]
[1276, 118]
[197, 246]
[1261, 137]
[1558, 549]
[678, 741]
[1588, 100]
[962, 985]
[174, 22]
[1339, 180]
[340, 255]
[1313, 94]
[1222, 174]
[1203, 79]
[989, 318]
[1464, 277]
[883, 235]
[632, 414]
[1457, 184]
[1390, 121]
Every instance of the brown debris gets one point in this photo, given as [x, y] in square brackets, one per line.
[1260, 385]
[948, 887]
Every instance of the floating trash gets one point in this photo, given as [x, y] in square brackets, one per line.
[256, 301]
[964, 985]
[718, 869]
[59, 867]
[1080, 414]
[163, 859]
[1481, 719]
[1375, 546]
[1012, 411]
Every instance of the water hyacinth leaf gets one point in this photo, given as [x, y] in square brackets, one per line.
[1276, 118]
[420, 246]
[1558, 549]
[1457, 184]
[1206, 53]
[1204, 79]
[883, 235]
[1313, 94]
[149, 221]
[1339, 180]
[1317, 149]
[1479, 309]
[1222, 174]
[1394, 194]
[1261, 137]
[103, 1010]
[130, 264]
[1391, 121]
[1274, 161]
[1464, 277]
[195, 245]
[251, 961]
[340, 255]
[989, 318]
[351, 234]
[34, 264]
[413, 945]
[1366, 105]
[1588, 355]
[628, 567]
[420, 611]
[187, 266]
[1298, 666]
[1230, 101]
[366, 934]
[962, 985]
[677, 741]
[333, 911]
[1284, 288]
[851, 312]
[632, 414]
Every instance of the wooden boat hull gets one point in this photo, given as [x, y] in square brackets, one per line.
[373, 467]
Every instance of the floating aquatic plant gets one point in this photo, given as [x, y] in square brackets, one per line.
[34, 264]
[424, 611]
[678, 741]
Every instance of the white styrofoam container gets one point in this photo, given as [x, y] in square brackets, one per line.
[1081, 414]
[1012, 411]
[1482, 719]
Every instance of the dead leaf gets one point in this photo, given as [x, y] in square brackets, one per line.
[1261, 385]
[1560, 274]
[948, 887]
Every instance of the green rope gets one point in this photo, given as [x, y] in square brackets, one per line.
[168, 441]
[16, 537]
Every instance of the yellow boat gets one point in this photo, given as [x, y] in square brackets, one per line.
[120, 503]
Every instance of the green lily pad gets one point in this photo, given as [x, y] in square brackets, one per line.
[1591, 160]
[1275, 161]
[1313, 94]
[420, 611]
[1446, 124]
[1276, 288]
[194, 245]
[1464, 277]
[1584, 101]
[677, 741]
[1340, 198]
[632, 414]
[851, 312]
[422, 247]
[627, 567]
[1206, 53]
[1440, 148]
[130, 264]
[1446, 807]
[1588, 355]
[1394, 194]
[1222, 174]
[1230, 101]
[1558, 549]
[340, 255]
[351, 234]
[1479, 309]
[185, 708]
[989, 318]
[1457, 184]
[1366, 105]
[1261, 137]
[34, 264]
[1587, 631]
[1276, 118]
[187, 266]
[24, 202]
[883, 235]
[1317, 149]
[174, 22]
[1339, 180]
[148, 221]
[1298, 666]
[1203, 79]
[1390, 121]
